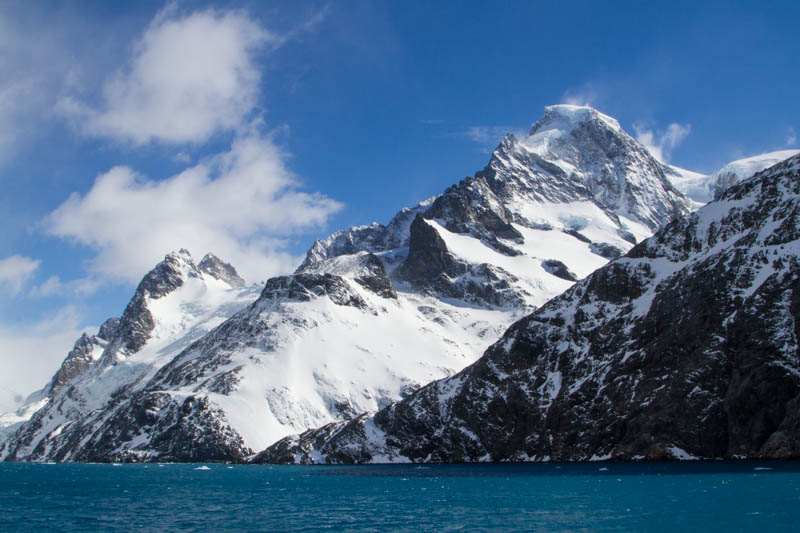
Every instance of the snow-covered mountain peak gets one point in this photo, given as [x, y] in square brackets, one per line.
[169, 274]
[565, 118]
[175, 304]
[566, 130]
[578, 135]
[170, 297]
[577, 154]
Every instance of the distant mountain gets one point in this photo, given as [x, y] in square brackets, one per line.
[687, 347]
[702, 188]
[699, 188]
[736, 171]
[199, 368]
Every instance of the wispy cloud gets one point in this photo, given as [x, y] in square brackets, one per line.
[306, 26]
[15, 271]
[189, 77]
[661, 143]
[791, 136]
[488, 137]
[35, 61]
[585, 95]
[55, 286]
[182, 157]
[240, 205]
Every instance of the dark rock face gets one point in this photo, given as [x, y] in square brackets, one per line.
[178, 430]
[137, 322]
[428, 258]
[167, 275]
[80, 358]
[372, 238]
[372, 276]
[558, 269]
[603, 249]
[687, 346]
[429, 266]
[108, 329]
[472, 207]
[181, 431]
[76, 362]
[217, 268]
[578, 235]
[304, 287]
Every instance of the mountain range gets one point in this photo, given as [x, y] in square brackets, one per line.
[685, 348]
[402, 320]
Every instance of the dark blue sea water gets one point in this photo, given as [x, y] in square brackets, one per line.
[715, 496]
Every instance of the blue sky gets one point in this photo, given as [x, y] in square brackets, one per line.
[252, 128]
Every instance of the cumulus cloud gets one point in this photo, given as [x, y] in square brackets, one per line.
[239, 204]
[661, 144]
[15, 270]
[30, 354]
[189, 77]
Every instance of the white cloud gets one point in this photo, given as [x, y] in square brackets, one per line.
[189, 77]
[661, 144]
[791, 136]
[182, 157]
[30, 354]
[240, 205]
[15, 270]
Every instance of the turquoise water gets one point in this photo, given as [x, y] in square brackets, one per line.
[716, 496]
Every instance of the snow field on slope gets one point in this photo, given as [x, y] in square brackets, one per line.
[192, 310]
[180, 309]
[744, 168]
[540, 245]
[362, 359]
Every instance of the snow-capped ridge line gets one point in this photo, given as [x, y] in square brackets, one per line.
[660, 354]
[201, 369]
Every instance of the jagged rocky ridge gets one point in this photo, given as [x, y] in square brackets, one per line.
[371, 314]
[686, 347]
[87, 350]
[175, 303]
